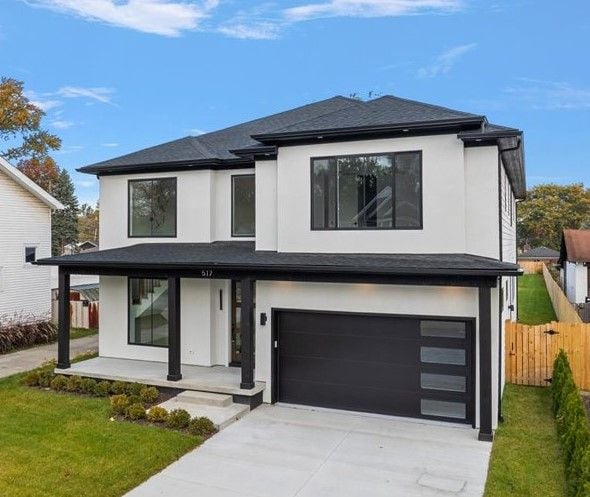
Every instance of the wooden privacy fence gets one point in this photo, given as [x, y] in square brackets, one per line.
[531, 267]
[531, 350]
[564, 310]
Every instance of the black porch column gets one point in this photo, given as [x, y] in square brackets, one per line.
[485, 365]
[247, 331]
[63, 320]
[174, 373]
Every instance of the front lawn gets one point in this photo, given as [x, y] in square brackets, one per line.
[64, 445]
[534, 304]
[526, 459]
[82, 332]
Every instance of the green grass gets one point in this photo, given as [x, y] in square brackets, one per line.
[82, 332]
[64, 445]
[526, 459]
[534, 304]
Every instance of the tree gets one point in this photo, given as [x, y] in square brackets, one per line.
[42, 171]
[88, 223]
[64, 228]
[548, 210]
[20, 125]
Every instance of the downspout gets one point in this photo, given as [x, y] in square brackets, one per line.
[501, 255]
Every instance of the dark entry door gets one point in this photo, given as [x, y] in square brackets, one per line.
[236, 321]
[406, 366]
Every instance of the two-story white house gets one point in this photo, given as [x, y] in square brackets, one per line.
[25, 236]
[344, 254]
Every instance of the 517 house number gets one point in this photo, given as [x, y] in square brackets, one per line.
[207, 273]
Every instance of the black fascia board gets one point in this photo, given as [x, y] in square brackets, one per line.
[361, 131]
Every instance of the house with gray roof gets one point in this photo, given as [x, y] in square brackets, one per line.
[343, 254]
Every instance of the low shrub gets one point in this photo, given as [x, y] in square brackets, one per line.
[134, 399]
[32, 378]
[134, 388]
[202, 427]
[45, 378]
[157, 414]
[178, 419]
[88, 386]
[22, 331]
[59, 383]
[119, 387]
[149, 395]
[573, 427]
[119, 404]
[74, 383]
[102, 389]
[135, 412]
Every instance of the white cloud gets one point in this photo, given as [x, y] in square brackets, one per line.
[195, 131]
[61, 123]
[551, 95]
[85, 183]
[100, 94]
[369, 8]
[162, 17]
[257, 30]
[69, 149]
[445, 61]
[110, 145]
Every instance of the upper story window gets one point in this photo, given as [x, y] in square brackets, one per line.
[243, 205]
[30, 254]
[152, 207]
[381, 191]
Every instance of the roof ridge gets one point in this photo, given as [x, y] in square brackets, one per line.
[425, 104]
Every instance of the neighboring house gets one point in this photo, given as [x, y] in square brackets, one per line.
[539, 254]
[83, 305]
[344, 254]
[76, 248]
[575, 265]
[25, 236]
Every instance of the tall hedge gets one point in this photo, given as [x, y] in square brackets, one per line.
[573, 427]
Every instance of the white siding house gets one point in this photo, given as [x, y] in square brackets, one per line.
[575, 265]
[373, 244]
[25, 235]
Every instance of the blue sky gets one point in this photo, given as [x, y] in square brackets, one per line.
[115, 76]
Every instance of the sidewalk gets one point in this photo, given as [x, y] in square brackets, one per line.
[24, 360]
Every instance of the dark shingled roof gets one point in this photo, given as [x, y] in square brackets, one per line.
[242, 255]
[539, 253]
[575, 246]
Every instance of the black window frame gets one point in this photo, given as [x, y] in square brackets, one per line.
[27, 247]
[129, 342]
[139, 180]
[233, 176]
[370, 228]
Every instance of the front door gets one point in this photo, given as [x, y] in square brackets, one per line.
[236, 321]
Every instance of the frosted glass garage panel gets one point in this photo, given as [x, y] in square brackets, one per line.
[443, 382]
[443, 408]
[443, 329]
[442, 355]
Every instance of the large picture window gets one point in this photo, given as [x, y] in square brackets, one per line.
[243, 206]
[148, 312]
[367, 192]
[152, 207]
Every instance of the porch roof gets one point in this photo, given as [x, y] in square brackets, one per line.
[243, 257]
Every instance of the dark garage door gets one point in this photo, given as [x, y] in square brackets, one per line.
[397, 365]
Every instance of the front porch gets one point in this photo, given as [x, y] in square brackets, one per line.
[215, 379]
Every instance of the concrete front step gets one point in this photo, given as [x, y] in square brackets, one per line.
[204, 398]
[222, 416]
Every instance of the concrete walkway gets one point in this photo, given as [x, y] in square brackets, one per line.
[280, 451]
[24, 360]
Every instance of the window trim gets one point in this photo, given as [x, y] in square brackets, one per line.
[137, 180]
[233, 235]
[25, 247]
[369, 228]
[129, 342]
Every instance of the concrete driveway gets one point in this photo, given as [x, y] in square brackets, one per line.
[279, 451]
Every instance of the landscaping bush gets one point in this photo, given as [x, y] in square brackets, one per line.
[22, 331]
[572, 426]
[32, 379]
[103, 388]
[74, 383]
[135, 412]
[59, 383]
[134, 388]
[45, 378]
[119, 387]
[88, 385]
[178, 419]
[202, 427]
[157, 414]
[134, 399]
[119, 404]
[149, 395]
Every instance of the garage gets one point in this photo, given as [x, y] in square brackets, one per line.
[411, 366]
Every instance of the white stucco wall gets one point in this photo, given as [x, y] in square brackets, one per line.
[443, 199]
[266, 205]
[25, 289]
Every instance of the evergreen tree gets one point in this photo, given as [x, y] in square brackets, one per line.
[64, 229]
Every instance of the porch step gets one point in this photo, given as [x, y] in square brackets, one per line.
[222, 416]
[204, 398]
